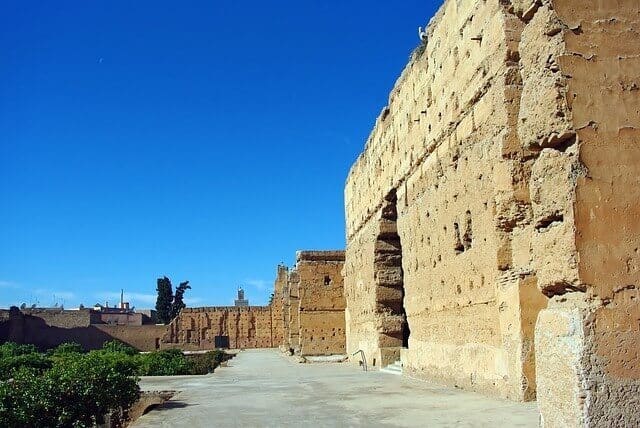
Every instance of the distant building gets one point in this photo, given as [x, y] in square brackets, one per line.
[124, 314]
[241, 301]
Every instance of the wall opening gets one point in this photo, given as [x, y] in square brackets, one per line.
[389, 278]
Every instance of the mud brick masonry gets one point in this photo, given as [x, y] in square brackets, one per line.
[315, 326]
[493, 219]
[492, 223]
[313, 302]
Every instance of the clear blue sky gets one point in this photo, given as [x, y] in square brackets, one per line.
[202, 140]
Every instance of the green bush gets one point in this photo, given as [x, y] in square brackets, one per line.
[13, 357]
[10, 349]
[68, 387]
[72, 393]
[117, 346]
[168, 362]
[68, 348]
[207, 362]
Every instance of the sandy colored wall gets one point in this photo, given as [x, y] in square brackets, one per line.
[278, 305]
[446, 146]
[322, 302]
[293, 322]
[510, 151]
[588, 341]
[47, 329]
[141, 337]
[246, 327]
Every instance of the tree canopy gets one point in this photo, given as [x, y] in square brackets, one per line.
[168, 305]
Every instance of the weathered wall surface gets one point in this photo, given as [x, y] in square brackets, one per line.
[141, 337]
[441, 187]
[586, 195]
[293, 322]
[321, 302]
[278, 305]
[49, 328]
[197, 328]
[502, 173]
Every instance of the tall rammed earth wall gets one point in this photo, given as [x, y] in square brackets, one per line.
[47, 328]
[322, 302]
[245, 327]
[499, 188]
[313, 304]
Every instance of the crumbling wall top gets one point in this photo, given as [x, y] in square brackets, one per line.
[320, 256]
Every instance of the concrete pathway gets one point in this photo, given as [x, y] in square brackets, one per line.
[263, 388]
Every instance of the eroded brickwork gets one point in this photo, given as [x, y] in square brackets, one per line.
[245, 327]
[314, 304]
[504, 173]
[322, 303]
[277, 305]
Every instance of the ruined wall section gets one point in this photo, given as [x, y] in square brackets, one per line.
[322, 302]
[278, 305]
[585, 192]
[197, 328]
[48, 328]
[448, 146]
[293, 322]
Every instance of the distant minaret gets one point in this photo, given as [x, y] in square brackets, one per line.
[241, 301]
[122, 298]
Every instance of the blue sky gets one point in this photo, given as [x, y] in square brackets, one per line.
[202, 140]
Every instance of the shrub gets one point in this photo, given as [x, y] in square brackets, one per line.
[14, 356]
[168, 362]
[117, 346]
[207, 362]
[70, 388]
[10, 349]
[73, 393]
[67, 348]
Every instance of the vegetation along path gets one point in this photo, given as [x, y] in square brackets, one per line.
[263, 388]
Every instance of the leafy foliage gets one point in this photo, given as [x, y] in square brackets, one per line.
[74, 390]
[163, 363]
[206, 363]
[67, 387]
[168, 305]
[164, 300]
[13, 357]
[178, 299]
[117, 346]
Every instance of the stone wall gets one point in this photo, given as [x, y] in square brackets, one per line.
[140, 337]
[313, 302]
[503, 173]
[278, 304]
[47, 329]
[322, 303]
[245, 327]
[585, 192]
[293, 321]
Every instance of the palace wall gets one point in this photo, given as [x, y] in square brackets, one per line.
[48, 328]
[243, 327]
[322, 302]
[502, 178]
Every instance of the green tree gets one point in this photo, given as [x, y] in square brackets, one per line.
[164, 301]
[178, 299]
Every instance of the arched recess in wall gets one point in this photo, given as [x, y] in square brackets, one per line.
[388, 276]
